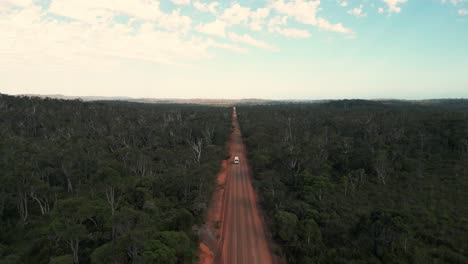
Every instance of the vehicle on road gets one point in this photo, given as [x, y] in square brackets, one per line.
[236, 160]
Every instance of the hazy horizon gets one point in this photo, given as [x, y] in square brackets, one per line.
[278, 49]
[236, 99]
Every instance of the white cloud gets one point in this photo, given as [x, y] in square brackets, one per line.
[226, 46]
[174, 21]
[381, 10]
[276, 25]
[32, 38]
[246, 39]
[215, 28]
[461, 11]
[293, 33]
[393, 5]
[277, 21]
[181, 2]
[103, 11]
[258, 18]
[326, 25]
[32, 35]
[454, 2]
[305, 12]
[240, 15]
[78, 9]
[92, 35]
[301, 10]
[15, 3]
[236, 14]
[203, 7]
[357, 12]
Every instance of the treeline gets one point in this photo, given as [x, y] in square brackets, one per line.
[105, 182]
[362, 181]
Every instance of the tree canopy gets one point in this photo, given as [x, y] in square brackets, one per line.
[363, 181]
[105, 182]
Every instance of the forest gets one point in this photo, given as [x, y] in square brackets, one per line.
[105, 182]
[356, 181]
[347, 181]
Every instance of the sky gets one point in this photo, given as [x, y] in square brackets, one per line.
[271, 49]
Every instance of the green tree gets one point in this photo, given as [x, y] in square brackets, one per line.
[180, 242]
[65, 259]
[286, 225]
[11, 259]
[68, 222]
[158, 253]
[111, 252]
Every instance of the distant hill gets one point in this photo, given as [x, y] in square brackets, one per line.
[446, 104]
[454, 104]
[221, 102]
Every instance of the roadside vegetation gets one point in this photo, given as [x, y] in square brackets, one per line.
[362, 181]
[105, 182]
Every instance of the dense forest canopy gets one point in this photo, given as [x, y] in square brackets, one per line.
[347, 181]
[105, 182]
[363, 181]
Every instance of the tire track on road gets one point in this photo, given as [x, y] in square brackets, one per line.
[243, 238]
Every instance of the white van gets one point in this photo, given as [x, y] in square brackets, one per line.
[236, 160]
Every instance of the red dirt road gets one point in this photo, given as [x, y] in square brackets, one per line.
[242, 237]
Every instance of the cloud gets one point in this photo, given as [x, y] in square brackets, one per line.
[305, 12]
[103, 11]
[203, 7]
[226, 46]
[380, 10]
[461, 11]
[393, 5]
[215, 28]
[278, 20]
[174, 21]
[293, 33]
[236, 14]
[258, 17]
[276, 25]
[357, 12]
[16, 3]
[88, 11]
[454, 2]
[326, 25]
[247, 39]
[181, 2]
[105, 32]
[33, 38]
[302, 11]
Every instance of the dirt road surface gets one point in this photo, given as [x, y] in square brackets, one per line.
[234, 217]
